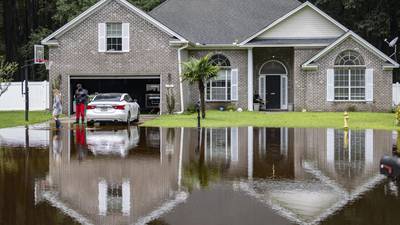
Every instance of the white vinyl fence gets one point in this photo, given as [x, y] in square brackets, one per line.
[396, 93]
[13, 99]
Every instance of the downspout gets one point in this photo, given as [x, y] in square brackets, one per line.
[180, 76]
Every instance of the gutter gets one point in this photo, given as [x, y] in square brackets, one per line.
[180, 76]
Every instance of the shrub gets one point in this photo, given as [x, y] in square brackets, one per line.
[398, 116]
[231, 107]
[191, 108]
[352, 108]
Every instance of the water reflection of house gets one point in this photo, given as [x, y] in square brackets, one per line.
[303, 175]
[319, 170]
[331, 169]
[246, 152]
[110, 189]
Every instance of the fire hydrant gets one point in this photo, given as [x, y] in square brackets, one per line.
[346, 120]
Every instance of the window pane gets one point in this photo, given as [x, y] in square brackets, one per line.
[357, 141]
[114, 29]
[341, 94]
[219, 94]
[341, 78]
[349, 58]
[219, 89]
[358, 94]
[114, 44]
[220, 60]
[357, 77]
[273, 67]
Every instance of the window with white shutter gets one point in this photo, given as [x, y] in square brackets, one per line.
[330, 87]
[113, 37]
[102, 37]
[234, 84]
[350, 78]
[369, 85]
[125, 37]
[224, 87]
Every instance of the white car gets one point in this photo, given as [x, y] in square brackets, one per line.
[114, 107]
[113, 142]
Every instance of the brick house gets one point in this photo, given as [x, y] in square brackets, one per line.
[291, 55]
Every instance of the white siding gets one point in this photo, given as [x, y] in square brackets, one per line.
[13, 99]
[307, 23]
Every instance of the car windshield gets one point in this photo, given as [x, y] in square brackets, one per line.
[107, 98]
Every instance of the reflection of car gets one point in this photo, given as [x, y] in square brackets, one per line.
[113, 142]
[113, 107]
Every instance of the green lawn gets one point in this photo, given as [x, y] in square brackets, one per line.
[17, 118]
[358, 120]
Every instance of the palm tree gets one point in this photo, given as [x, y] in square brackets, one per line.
[200, 71]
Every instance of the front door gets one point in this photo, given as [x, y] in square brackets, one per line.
[273, 92]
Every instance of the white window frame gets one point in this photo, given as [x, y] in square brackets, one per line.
[368, 146]
[231, 145]
[350, 87]
[228, 72]
[114, 36]
[356, 63]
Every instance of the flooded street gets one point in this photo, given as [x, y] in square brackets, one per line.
[137, 175]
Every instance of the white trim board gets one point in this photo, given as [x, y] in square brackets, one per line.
[350, 34]
[276, 22]
[98, 6]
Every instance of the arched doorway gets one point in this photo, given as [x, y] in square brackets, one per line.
[273, 84]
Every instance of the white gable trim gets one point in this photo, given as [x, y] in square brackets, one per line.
[99, 5]
[309, 64]
[306, 4]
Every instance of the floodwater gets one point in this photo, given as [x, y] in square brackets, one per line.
[233, 176]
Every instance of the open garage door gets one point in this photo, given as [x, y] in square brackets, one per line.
[145, 89]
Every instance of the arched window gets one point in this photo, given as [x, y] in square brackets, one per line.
[349, 58]
[220, 60]
[349, 80]
[273, 67]
[224, 86]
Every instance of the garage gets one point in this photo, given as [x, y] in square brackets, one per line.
[144, 89]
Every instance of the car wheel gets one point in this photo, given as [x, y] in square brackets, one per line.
[137, 118]
[90, 123]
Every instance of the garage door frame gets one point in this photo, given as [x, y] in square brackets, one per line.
[111, 77]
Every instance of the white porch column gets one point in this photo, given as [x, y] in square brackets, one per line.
[250, 87]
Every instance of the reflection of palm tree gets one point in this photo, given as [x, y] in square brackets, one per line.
[197, 174]
[7, 162]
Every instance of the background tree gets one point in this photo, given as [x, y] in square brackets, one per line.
[200, 71]
[7, 71]
[22, 21]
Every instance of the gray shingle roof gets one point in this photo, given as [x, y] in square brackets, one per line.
[220, 21]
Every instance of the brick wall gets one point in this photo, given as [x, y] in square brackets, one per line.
[310, 86]
[238, 59]
[150, 52]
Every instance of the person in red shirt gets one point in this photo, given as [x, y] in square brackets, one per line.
[81, 98]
